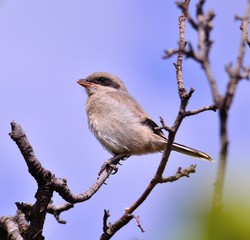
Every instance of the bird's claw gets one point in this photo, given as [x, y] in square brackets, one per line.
[112, 164]
[114, 168]
[107, 165]
[124, 159]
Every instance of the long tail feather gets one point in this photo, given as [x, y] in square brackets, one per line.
[191, 152]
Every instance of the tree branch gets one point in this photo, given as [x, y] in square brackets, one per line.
[56, 210]
[203, 26]
[179, 174]
[47, 184]
[206, 108]
[10, 228]
[235, 75]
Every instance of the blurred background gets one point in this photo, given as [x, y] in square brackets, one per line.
[46, 46]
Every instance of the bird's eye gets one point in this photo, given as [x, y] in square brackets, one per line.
[102, 80]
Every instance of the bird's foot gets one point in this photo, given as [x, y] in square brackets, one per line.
[112, 163]
[108, 165]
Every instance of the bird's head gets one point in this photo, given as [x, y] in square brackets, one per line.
[101, 81]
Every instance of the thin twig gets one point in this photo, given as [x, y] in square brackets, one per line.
[206, 108]
[137, 218]
[56, 210]
[105, 220]
[180, 173]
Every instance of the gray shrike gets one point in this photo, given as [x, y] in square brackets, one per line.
[119, 122]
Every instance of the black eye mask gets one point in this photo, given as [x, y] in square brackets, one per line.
[105, 82]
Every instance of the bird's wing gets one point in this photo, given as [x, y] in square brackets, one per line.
[126, 99]
[153, 126]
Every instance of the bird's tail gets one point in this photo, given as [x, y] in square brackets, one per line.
[191, 152]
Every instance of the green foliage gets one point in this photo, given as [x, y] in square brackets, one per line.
[232, 224]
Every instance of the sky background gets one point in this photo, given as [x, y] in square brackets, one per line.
[46, 46]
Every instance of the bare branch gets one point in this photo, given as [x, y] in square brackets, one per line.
[137, 218]
[48, 183]
[203, 25]
[163, 126]
[22, 222]
[9, 226]
[34, 166]
[235, 75]
[244, 23]
[169, 53]
[187, 114]
[111, 229]
[105, 220]
[56, 210]
[60, 185]
[179, 174]
[207, 108]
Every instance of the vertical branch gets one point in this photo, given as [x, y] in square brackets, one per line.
[236, 74]
[182, 44]
[203, 25]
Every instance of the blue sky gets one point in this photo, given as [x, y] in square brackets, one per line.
[46, 46]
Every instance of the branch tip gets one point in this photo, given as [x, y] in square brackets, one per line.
[137, 218]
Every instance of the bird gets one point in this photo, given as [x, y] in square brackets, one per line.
[119, 122]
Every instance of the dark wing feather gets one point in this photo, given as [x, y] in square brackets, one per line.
[152, 125]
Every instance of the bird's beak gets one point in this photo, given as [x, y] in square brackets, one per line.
[84, 83]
